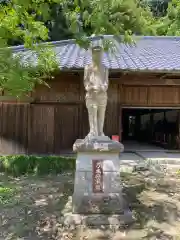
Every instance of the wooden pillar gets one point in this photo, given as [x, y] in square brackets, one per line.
[120, 123]
[151, 126]
[120, 110]
[178, 130]
[137, 126]
[164, 127]
[178, 123]
[81, 107]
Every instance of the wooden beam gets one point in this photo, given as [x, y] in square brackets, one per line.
[124, 70]
[163, 76]
[170, 107]
[133, 80]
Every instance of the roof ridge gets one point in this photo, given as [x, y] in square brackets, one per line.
[72, 41]
[153, 53]
[159, 37]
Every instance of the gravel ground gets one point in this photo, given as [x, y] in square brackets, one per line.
[31, 208]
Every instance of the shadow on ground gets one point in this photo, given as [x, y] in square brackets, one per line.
[32, 209]
[154, 202]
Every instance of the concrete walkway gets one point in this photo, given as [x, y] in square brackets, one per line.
[132, 146]
[169, 161]
[139, 154]
[157, 161]
[160, 156]
[129, 161]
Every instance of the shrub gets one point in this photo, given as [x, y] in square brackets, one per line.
[22, 164]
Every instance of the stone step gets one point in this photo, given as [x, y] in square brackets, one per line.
[98, 220]
[127, 168]
[158, 157]
[99, 203]
[129, 161]
[139, 161]
[149, 165]
[171, 168]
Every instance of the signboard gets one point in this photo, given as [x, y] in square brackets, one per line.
[102, 146]
[97, 178]
[115, 138]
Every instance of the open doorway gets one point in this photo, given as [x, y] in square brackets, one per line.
[152, 126]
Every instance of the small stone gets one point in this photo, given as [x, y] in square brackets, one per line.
[119, 235]
[72, 219]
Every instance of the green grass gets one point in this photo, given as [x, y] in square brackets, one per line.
[23, 165]
[6, 195]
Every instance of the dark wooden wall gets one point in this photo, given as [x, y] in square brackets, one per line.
[152, 96]
[58, 116]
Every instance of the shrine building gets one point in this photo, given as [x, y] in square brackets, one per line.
[143, 99]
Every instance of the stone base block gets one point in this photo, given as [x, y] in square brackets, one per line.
[99, 220]
[87, 198]
[98, 144]
[125, 218]
[98, 203]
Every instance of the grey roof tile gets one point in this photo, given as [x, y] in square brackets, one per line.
[148, 53]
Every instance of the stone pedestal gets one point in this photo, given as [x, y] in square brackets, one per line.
[110, 199]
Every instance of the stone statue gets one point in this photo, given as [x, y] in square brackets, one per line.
[98, 195]
[96, 85]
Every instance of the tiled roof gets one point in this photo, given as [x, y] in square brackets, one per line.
[148, 53]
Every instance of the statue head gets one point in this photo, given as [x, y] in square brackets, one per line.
[97, 54]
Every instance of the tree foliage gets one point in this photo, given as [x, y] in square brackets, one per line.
[23, 21]
[158, 7]
[29, 22]
[116, 17]
[170, 23]
[57, 24]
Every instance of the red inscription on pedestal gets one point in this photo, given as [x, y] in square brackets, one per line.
[97, 176]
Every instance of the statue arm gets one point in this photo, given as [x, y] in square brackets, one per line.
[106, 82]
[86, 78]
[107, 76]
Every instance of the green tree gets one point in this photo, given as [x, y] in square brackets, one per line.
[28, 22]
[116, 17]
[170, 23]
[57, 24]
[158, 7]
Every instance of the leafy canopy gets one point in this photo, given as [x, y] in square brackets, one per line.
[170, 23]
[99, 17]
[26, 21]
